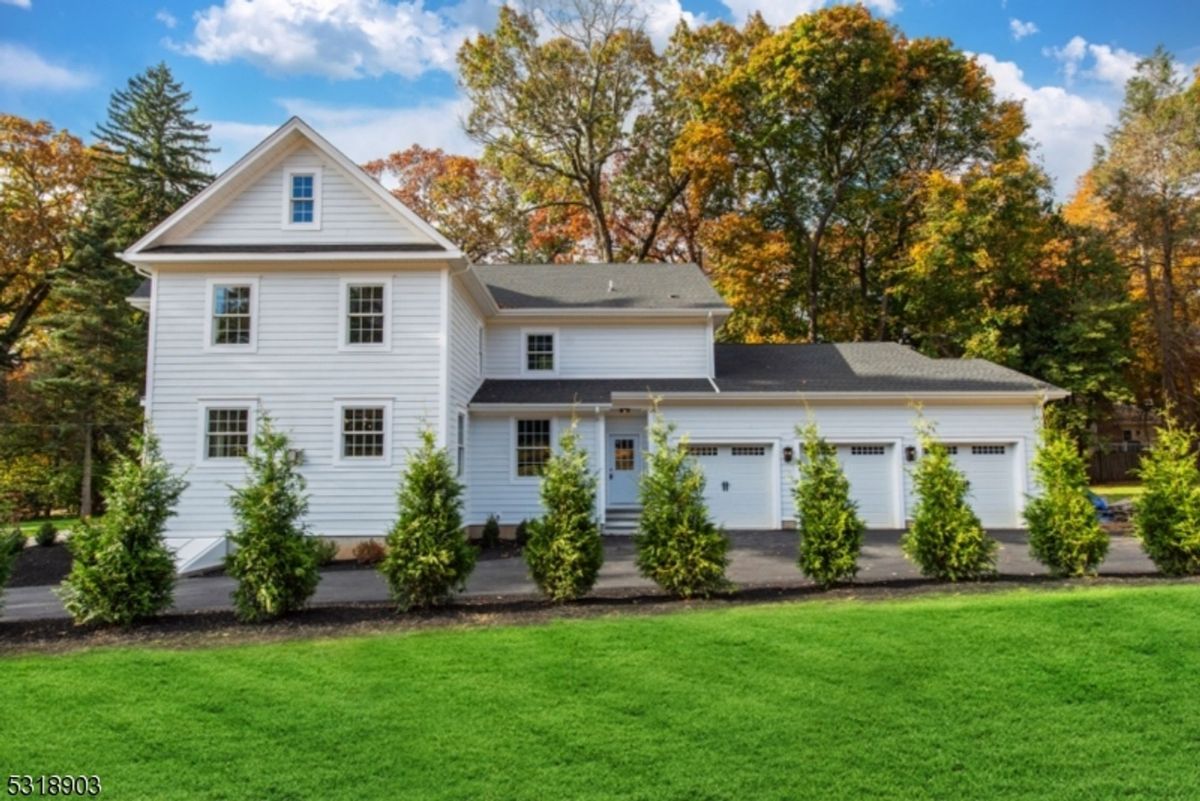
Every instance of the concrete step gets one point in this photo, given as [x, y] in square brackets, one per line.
[622, 521]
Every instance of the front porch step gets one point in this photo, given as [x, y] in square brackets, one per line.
[622, 521]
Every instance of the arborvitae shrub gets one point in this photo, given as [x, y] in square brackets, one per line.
[831, 531]
[11, 545]
[489, 537]
[1064, 532]
[946, 539]
[46, 535]
[564, 550]
[1167, 515]
[274, 559]
[678, 545]
[122, 570]
[428, 554]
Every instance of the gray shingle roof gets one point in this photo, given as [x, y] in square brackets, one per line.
[859, 367]
[590, 390]
[568, 286]
[394, 247]
[143, 290]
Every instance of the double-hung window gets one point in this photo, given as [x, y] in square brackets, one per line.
[231, 320]
[363, 431]
[226, 432]
[533, 447]
[540, 352]
[365, 317]
[303, 199]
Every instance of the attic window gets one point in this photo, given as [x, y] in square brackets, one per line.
[302, 199]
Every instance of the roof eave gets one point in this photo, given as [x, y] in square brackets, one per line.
[603, 311]
[150, 259]
[509, 407]
[863, 396]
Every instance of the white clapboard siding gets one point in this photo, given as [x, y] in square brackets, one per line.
[495, 489]
[613, 350]
[350, 214]
[296, 374]
[841, 422]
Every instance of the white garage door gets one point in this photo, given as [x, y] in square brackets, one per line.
[737, 485]
[871, 471]
[991, 470]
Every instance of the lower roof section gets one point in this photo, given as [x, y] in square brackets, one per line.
[583, 390]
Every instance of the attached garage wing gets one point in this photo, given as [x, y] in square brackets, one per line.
[739, 483]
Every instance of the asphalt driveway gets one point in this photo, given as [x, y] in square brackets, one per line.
[758, 558]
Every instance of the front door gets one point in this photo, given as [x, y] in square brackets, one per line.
[624, 467]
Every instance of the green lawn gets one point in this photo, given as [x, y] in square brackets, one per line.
[1081, 694]
[1118, 492]
[30, 527]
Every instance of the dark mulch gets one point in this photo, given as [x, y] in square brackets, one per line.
[38, 565]
[203, 629]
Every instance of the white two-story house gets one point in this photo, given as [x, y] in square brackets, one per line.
[297, 286]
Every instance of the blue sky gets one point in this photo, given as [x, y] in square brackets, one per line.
[377, 75]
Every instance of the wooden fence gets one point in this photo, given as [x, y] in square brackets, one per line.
[1110, 466]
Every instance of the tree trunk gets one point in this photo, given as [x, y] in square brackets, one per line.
[85, 490]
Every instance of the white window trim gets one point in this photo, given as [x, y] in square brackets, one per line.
[481, 339]
[460, 445]
[558, 356]
[344, 310]
[512, 446]
[250, 404]
[210, 287]
[315, 225]
[339, 404]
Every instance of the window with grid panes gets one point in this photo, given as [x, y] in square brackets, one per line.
[227, 433]
[533, 446]
[539, 352]
[231, 321]
[365, 314]
[363, 432]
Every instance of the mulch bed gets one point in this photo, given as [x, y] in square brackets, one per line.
[206, 629]
[38, 565]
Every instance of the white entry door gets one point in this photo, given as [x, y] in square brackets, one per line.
[624, 468]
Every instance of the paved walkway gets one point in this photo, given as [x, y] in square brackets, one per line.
[766, 558]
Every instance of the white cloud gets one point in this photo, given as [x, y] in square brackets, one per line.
[1111, 65]
[361, 132]
[1021, 29]
[338, 39]
[781, 12]
[1065, 125]
[663, 16]
[23, 69]
[166, 18]
[17, 3]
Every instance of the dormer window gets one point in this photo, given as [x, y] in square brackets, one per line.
[302, 199]
[540, 352]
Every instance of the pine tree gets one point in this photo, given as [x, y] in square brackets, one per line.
[428, 555]
[946, 540]
[1064, 533]
[564, 550]
[274, 560]
[154, 153]
[1167, 515]
[93, 364]
[831, 531]
[122, 570]
[678, 545]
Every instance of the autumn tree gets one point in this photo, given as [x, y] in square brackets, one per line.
[1147, 177]
[41, 202]
[573, 105]
[825, 130]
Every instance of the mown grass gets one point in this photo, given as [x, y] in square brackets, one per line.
[30, 527]
[1079, 694]
[1118, 492]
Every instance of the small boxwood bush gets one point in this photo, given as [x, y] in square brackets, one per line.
[274, 560]
[831, 531]
[326, 550]
[564, 551]
[428, 554]
[678, 546]
[946, 540]
[46, 534]
[1064, 532]
[122, 570]
[489, 537]
[1167, 515]
[521, 534]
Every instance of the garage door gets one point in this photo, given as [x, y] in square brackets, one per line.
[737, 483]
[871, 471]
[991, 470]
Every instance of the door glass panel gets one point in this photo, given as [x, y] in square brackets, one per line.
[623, 454]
